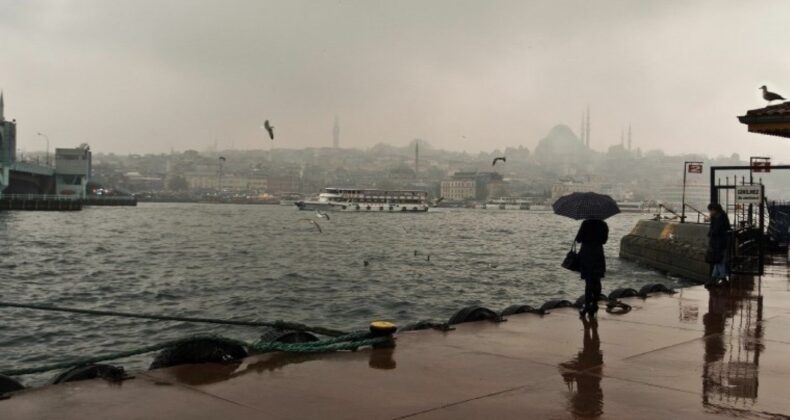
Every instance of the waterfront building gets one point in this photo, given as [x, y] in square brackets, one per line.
[568, 187]
[697, 195]
[459, 190]
[137, 182]
[210, 180]
[472, 186]
[7, 145]
[72, 170]
[282, 183]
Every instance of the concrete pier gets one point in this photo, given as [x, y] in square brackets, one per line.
[697, 354]
[671, 247]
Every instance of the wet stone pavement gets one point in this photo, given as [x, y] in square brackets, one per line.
[696, 354]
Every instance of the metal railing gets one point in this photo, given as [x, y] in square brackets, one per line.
[661, 216]
[705, 218]
[701, 217]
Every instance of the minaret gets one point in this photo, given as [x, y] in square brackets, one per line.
[416, 157]
[336, 134]
[2, 107]
[629, 137]
[587, 132]
[581, 131]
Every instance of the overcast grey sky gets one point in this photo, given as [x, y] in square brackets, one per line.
[145, 76]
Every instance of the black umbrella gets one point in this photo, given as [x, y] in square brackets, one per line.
[586, 205]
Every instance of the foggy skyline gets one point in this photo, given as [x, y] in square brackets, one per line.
[137, 77]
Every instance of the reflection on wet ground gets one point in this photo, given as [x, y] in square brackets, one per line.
[733, 343]
[696, 354]
[583, 373]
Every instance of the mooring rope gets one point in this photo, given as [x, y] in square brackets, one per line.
[280, 325]
[351, 341]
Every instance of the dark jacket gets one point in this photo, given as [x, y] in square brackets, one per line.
[718, 237]
[592, 235]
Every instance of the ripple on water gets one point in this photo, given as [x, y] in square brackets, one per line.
[258, 262]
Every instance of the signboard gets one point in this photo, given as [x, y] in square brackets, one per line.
[761, 166]
[749, 194]
[695, 168]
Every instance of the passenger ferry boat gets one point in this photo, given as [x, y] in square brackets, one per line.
[516, 203]
[507, 203]
[367, 200]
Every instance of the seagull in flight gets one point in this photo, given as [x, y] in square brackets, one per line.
[497, 159]
[322, 215]
[770, 96]
[269, 129]
[317, 226]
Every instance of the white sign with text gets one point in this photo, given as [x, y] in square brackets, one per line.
[749, 194]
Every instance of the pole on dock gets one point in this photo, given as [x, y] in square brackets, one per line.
[688, 166]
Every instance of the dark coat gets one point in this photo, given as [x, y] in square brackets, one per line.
[718, 237]
[592, 235]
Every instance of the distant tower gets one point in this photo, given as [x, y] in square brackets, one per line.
[622, 138]
[587, 131]
[2, 107]
[336, 134]
[629, 137]
[416, 157]
[581, 131]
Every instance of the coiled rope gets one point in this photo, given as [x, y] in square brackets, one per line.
[280, 325]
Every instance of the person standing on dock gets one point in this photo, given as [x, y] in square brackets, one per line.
[718, 239]
[593, 234]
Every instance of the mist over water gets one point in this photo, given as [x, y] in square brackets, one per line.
[264, 263]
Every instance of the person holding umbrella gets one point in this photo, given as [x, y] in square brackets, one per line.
[593, 208]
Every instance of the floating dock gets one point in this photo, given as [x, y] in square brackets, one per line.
[44, 202]
[51, 202]
[697, 354]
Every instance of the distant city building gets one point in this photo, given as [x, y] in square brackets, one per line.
[136, 182]
[72, 170]
[697, 195]
[212, 181]
[459, 190]
[472, 186]
[283, 183]
[567, 187]
[7, 145]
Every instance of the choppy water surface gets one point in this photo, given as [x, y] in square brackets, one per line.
[264, 263]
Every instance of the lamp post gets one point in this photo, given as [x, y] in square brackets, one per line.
[219, 174]
[47, 138]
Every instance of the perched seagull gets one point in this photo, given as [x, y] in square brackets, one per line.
[317, 226]
[321, 215]
[497, 159]
[770, 96]
[269, 129]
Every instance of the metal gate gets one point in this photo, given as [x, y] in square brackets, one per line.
[747, 215]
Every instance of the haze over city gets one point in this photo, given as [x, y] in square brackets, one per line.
[146, 76]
